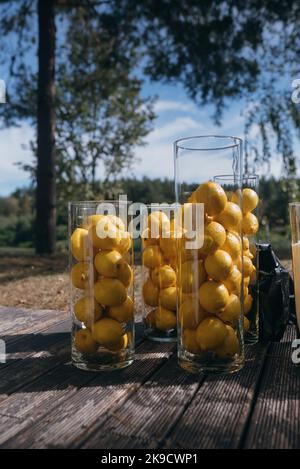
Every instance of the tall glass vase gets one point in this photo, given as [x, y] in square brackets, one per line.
[210, 262]
[101, 278]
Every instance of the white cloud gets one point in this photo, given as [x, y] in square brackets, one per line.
[173, 129]
[165, 105]
[12, 151]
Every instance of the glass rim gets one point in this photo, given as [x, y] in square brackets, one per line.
[231, 177]
[236, 142]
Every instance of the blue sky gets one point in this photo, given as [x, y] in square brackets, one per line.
[177, 116]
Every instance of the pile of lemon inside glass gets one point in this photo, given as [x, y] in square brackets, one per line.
[209, 278]
[103, 272]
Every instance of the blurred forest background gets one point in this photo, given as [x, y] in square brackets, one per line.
[83, 96]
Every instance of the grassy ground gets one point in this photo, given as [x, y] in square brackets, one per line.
[31, 281]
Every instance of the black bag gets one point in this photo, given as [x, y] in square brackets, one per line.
[276, 300]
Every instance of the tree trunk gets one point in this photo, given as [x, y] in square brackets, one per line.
[45, 194]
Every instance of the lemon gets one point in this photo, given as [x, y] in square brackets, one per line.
[213, 296]
[106, 263]
[163, 277]
[232, 245]
[247, 265]
[211, 333]
[150, 319]
[236, 198]
[84, 342]
[191, 313]
[230, 345]
[165, 320]
[246, 324]
[169, 244]
[246, 244]
[125, 243]
[158, 222]
[123, 312]
[250, 200]
[189, 341]
[92, 220]
[248, 253]
[147, 240]
[168, 298]
[120, 345]
[248, 304]
[192, 276]
[253, 276]
[104, 233]
[231, 217]
[117, 221]
[110, 292]
[87, 310]
[250, 224]
[81, 274]
[246, 281]
[231, 313]
[79, 244]
[152, 257]
[107, 332]
[214, 237]
[218, 265]
[233, 281]
[124, 273]
[150, 293]
[212, 196]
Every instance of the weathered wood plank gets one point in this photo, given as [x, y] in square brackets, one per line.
[144, 419]
[275, 422]
[219, 412]
[77, 413]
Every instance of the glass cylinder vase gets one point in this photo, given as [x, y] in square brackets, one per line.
[101, 277]
[210, 272]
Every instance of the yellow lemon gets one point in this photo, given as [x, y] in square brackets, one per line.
[107, 332]
[147, 240]
[214, 237]
[158, 222]
[117, 221]
[152, 257]
[237, 197]
[231, 217]
[84, 342]
[218, 265]
[250, 200]
[163, 277]
[82, 274]
[230, 345]
[246, 324]
[150, 293]
[212, 196]
[211, 333]
[87, 310]
[233, 281]
[213, 296]
[169, 244]
[250, 224]
[105, 235]
[191, 314]
[247, 265]
[192, 276]
[231, 313]
[232, 245]
[110, 292]
[248, 253]
[79, 244]
[150, 319]
[165, 320]
[248, 304]
[106, 263]
[125, 243]
[92, 220]
[123, 312]
[253, 276]
[189, 341]
[246, 244]
[124, 273]
[168, 298]
[120, 345]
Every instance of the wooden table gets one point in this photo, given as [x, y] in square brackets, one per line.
[46, 403]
